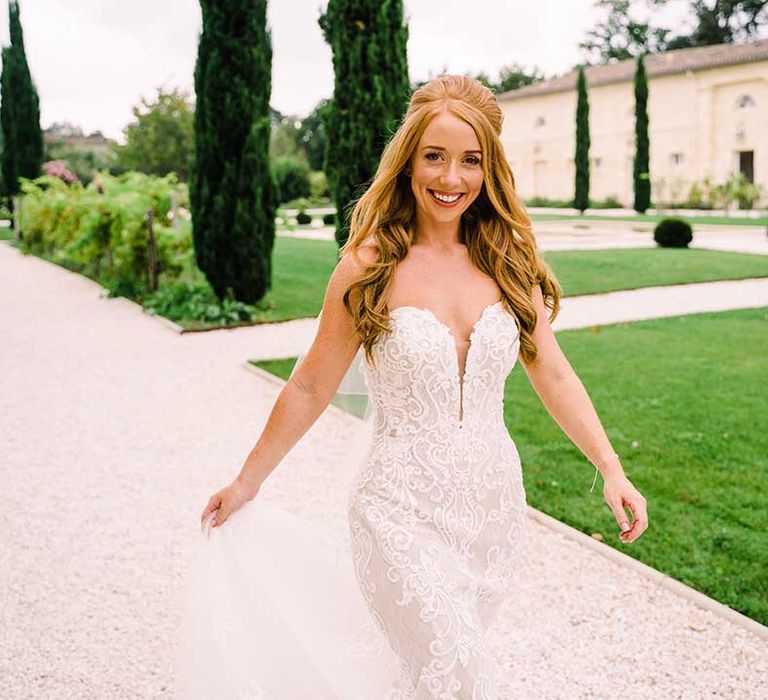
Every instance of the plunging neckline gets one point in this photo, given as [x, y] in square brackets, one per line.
[460, 376]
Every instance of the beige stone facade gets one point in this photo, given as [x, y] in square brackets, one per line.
[708, 117]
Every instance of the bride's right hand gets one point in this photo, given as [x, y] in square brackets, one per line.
[226, 501]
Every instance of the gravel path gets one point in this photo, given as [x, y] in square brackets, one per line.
[115, 432]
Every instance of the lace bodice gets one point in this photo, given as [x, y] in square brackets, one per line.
[437, 511]
[417, 385]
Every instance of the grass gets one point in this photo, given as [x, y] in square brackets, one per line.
[302, 267]
[653, 218]
[598, 271]
[683, 402]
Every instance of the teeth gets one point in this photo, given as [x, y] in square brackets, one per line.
[444, 198]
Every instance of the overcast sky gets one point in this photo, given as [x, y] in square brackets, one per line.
[92, 60]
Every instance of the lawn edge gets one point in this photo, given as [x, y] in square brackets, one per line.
[658, 577]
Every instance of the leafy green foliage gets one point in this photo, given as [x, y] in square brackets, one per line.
[186, 300]
[621, 35]
[641, 162]
[292, 179]
[101, 230]
[22, 155]
[581, 159]
[160, 140]
[232, 190]
[371, 91]
[673, 232]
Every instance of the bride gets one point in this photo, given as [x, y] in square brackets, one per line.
[439, 290]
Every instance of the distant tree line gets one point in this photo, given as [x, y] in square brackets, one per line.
[621, 34]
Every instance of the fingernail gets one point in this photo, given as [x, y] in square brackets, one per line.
[624, 527]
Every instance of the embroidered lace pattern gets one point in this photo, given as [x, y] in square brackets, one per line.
[437, 512]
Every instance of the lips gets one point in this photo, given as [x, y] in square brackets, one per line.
[446, 194]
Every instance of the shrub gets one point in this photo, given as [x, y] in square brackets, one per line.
[673, 232]
[179, 301]
[329, 219]
[302, 218]
[318, 184]
[101, 230]
[292, 178]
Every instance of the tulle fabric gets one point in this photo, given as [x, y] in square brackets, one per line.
[272, 609]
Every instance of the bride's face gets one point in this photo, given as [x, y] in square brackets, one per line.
[446, 169]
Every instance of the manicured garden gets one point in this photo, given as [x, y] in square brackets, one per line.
[761, 221]
[132, 233]
[683, 402]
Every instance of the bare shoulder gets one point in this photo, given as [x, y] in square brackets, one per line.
[350, 268]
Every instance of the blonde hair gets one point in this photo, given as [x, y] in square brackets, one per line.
[496, 228]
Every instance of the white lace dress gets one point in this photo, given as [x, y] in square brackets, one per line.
[437, 531]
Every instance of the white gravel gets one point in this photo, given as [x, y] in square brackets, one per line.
[115, 430]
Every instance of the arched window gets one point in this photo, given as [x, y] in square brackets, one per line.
[539, 121]
[745, 101]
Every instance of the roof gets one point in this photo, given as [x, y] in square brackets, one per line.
[656, 64]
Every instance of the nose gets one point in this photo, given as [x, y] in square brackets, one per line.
[450, 176]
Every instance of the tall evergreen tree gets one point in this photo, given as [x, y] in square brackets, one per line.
[581, 159]
[19, 110]
[641, 169]
[232, 191]
[371, 90]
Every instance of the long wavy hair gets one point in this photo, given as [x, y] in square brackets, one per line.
[495, 228]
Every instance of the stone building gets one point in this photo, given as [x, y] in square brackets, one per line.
[708, 117]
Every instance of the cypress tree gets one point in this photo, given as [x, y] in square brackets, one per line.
[371, 91]
[19, 110]
[232, 192]
[641, 169]
[581, 159]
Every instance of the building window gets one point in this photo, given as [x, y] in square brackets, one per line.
[745, 101]
[676, 158]
[539, 121]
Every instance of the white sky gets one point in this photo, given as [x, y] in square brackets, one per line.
[92, 60]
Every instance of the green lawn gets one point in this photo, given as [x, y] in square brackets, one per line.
[653, 218]
[302, 267]
[597, 271]
[683, 400]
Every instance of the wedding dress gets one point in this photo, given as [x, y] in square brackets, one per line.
[436, 537]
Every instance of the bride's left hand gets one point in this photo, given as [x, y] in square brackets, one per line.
[619, 493]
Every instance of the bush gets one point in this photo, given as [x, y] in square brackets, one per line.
[318, 183]
[179, 301]
[673, 232]
[292, 178]
[329, 219]
[302, 218]
[101, 230]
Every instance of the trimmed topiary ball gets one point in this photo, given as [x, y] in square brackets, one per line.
[673, 232]
[302, 218]
[329, 219]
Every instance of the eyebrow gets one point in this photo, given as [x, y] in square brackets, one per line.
[440, 148]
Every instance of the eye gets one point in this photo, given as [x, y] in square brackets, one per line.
[475, 160]
[432, 153]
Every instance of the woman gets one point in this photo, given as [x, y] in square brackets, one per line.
[440, 285]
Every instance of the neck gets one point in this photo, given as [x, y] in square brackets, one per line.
[438, 234]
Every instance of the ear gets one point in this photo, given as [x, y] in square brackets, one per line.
[407, 170]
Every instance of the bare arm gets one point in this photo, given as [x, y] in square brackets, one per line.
[312, 386]
[303, 398]
[565, 398]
